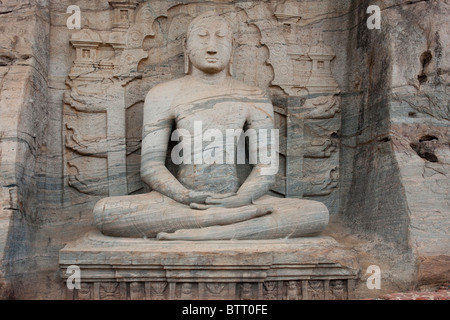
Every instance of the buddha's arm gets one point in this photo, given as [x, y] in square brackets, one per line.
[157, 128]
[258, 183]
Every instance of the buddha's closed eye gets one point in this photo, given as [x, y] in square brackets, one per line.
[203, 33]
[220, 34]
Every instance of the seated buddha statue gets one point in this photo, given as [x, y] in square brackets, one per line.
[207, 200]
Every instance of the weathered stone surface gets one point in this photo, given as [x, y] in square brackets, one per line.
[207, 199]
[396, 136]
[247, 270]
[442, 294]
[24, 61]
[384, 155]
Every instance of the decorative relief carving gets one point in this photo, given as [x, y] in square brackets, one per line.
[109, 291]
[309, 120]
[288, 15]
[137, 291]
[321, 145]
[271, 290]
[215, 288]
[321, 79]
[302, 67]
[316, 290]
[123, 13]
[188, 291]
[322, 181]
[309, 148]
[86, 43]
[85, 292]
[97, 85]
[92, 146]
[338, 290]
[158, 290]
[86, 180]
[323, 107]
[299, 68]
[292, 291]
[247, 291]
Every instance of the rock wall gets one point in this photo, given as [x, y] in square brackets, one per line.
[420, 114]
[380, 160]
[395, 140]
[24, 64]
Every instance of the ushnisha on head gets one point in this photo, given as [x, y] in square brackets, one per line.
[209, 44]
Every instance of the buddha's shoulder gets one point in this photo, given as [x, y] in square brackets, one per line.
[166, 90]
[243, 88]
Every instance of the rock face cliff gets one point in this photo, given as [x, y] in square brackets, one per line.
[397, 136]
[363, 116]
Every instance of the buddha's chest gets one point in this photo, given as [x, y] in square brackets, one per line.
[218, 114]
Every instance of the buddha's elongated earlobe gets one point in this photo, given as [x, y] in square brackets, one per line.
[187, 64]
[230, 64]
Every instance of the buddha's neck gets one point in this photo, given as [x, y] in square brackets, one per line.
[210, 78]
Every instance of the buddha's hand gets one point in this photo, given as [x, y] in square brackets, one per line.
[231, 201]
[198, 197]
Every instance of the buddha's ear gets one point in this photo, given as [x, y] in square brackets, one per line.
[230, 65]
[187, 63]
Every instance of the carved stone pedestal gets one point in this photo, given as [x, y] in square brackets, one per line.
[295, 269]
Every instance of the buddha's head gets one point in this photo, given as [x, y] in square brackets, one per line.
[209, 44]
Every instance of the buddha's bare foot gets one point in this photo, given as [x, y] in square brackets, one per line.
[193, 234]
[218, 216]
[164, 236]
[223, 229]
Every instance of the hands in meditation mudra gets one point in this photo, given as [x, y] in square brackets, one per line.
[206, 201]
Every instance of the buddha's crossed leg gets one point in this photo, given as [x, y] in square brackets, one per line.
[146, 215]
[290, 218]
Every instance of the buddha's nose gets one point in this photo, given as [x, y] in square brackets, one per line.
[212, 48]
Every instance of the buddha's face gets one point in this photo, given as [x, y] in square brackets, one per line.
[209, 44]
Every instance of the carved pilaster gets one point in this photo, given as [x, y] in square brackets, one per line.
[99, 158]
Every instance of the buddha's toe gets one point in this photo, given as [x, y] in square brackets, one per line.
[163, 236]
[263, 210]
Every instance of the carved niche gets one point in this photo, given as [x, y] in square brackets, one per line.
[101, 158]
[308, 116]
[102, 128]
